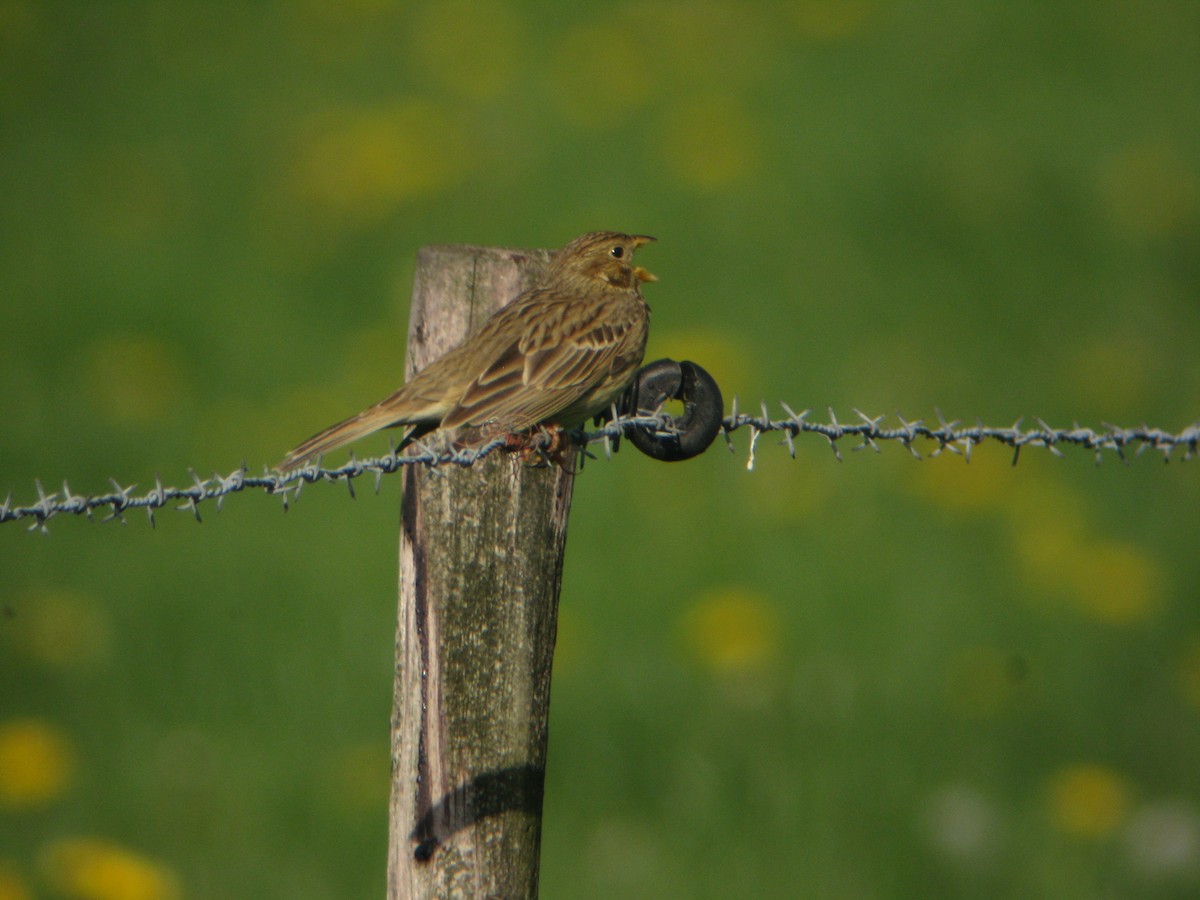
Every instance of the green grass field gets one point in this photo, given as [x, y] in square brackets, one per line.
[879, 678]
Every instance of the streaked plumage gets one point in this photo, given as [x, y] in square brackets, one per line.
[558, 354]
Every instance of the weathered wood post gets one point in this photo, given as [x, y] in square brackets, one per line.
[481, 552]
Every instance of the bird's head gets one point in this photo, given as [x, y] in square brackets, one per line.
[605, 256]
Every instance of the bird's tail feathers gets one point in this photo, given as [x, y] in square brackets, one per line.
[366, 422]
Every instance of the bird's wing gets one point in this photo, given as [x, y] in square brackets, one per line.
[421, 402]
[566, 351]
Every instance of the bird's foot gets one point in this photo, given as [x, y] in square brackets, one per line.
[543, 445]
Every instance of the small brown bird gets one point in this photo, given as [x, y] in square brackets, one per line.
[558, 354]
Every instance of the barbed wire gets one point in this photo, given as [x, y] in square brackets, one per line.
[950, 437]
[868, 430]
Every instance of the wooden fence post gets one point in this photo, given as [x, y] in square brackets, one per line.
[481, 552]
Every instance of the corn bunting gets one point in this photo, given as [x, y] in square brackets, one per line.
[558, 354]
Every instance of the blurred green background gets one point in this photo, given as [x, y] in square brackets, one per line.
[879, 678]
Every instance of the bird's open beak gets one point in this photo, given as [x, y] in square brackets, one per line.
[640, 273]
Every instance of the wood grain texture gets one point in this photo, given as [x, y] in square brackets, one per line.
[481, 552]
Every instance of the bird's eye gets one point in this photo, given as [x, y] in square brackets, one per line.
[617, 251]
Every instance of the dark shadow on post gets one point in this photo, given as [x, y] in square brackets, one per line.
[519, 789]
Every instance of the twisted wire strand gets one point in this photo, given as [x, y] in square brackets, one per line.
[951, 437]
[869, 431]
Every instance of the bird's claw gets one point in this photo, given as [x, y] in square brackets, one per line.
[542, 446]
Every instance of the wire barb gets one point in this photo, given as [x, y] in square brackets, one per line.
[869, 431]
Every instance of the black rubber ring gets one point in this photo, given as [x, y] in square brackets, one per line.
[703, 409]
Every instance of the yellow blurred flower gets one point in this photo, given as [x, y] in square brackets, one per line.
[710, 142]
[1037, 493]
[1115, 373]
[732, 630]
[36, 763]
[827, 20]
[1150, 189]
[472, 47]
[570, 642]
[1047, 552]
[1189, 673]
[95, 869]
[364, 164]
[1117, 582]
[705, 45]
[358, 777]
[599, 75]
[980, 681]
[726, 359]
[17, 21]
[1053, 547]
[781, 491]
[64, 629]
[1113, 581]
[1088, 800]
[324, 31]
[980, 487]
[12, 885]
[133, 379]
